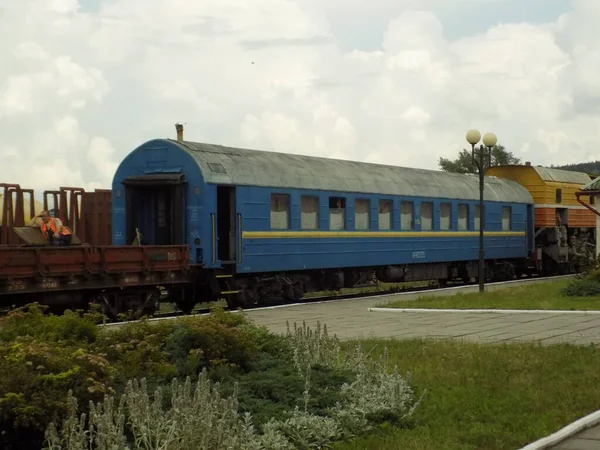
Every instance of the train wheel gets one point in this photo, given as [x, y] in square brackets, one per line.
[235, 301]
[298, 291]
[186, 301]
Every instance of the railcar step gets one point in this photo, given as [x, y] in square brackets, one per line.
[229, 292]
[225, 276]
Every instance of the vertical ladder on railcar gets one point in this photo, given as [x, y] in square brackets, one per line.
[228, 290]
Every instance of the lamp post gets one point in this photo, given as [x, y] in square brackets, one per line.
[481, 158]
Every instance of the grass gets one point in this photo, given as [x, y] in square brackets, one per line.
[534, 296]
[492, 397]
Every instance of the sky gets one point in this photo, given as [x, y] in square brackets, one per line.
[84, 82]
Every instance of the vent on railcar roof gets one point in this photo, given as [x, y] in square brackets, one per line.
[217, 168]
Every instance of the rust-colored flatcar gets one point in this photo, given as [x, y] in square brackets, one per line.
[73, 276]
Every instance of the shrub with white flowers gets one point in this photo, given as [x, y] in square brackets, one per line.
[200, 417]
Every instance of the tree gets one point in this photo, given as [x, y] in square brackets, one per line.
[464, 163]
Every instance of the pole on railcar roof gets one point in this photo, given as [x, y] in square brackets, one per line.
[179, 128]
[483, 160]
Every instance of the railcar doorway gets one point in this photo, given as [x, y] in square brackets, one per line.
[155, 209]
[226, 224]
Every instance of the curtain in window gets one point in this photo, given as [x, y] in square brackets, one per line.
[310, 213]
[406, 216]
[426, 216]
[445, 216]
[336, 219]
[385, 214]
[280, 212]
[506, 218]
[463, 217]
[361, 214]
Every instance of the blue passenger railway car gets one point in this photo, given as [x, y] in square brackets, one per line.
[262, 225]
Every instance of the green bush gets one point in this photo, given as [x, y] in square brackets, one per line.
[42, 356]
[137, 350]
[35, 378]
[72, 328]
[299, 390]
[274, 386]
[308, 398]
[196, 344]
[583, 287]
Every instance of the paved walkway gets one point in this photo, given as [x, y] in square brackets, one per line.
[586, 440]
[350, 319]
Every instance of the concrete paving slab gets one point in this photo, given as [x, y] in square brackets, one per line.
[592, 433]
[349, 319]
[578, 443]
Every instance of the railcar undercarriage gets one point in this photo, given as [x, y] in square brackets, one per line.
[282, 287]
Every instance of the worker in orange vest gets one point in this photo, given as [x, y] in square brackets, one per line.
[52, 229]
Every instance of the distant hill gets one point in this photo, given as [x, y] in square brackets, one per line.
[588, 167]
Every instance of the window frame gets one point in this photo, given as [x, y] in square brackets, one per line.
[383, 202]
[510, 221]
[466, 217]
[344, 210]
[412, 215]
[368, 202]
[430, 204]
[288, 211]
[318, 218]
[449, 208]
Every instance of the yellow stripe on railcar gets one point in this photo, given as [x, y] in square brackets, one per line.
[371, 234]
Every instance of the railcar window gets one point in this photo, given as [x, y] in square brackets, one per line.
[309, 214]
[476, 221]
[426, 216]
[280, 212]
[506, 225]
[559, 196]
[361, 214]
[385, 214]
[445, 216]
[407, 221]
[463, 217]
[337, 213]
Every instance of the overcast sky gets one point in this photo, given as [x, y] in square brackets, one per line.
[82, 83]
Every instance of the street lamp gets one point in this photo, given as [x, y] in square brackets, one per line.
[481, 158]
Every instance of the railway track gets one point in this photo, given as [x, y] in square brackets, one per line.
[354, 295]
[308, 300]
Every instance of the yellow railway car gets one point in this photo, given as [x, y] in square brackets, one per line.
[559, 217]
[553, 191]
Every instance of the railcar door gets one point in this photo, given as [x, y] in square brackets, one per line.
[155, 209]
[226, 229]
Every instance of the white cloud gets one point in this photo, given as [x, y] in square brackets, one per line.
[79, 90]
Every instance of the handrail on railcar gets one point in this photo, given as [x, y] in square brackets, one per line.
[589, 194]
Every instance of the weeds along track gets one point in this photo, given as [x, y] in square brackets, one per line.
[358, 295]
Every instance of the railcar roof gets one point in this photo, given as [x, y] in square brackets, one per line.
[593, 185]
[562, 176]
[237, 166]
